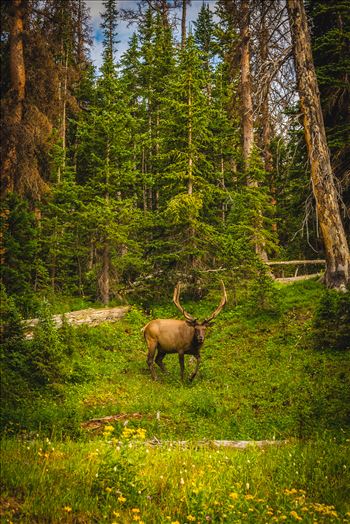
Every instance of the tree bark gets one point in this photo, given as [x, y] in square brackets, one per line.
[183, 23]
[246, 90]
[337, 253]
[104, 281]
[17, 91]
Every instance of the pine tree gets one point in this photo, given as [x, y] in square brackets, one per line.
[185, 130]
[109, 25]
[204, 34]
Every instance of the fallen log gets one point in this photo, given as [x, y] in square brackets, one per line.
[101, 422]
[289, 280]
[294, 262]
[236, 444]
[90, 316]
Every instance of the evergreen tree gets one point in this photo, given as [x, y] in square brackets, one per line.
[185, 130]
[204, 34]
[109, 25]
[110, 215]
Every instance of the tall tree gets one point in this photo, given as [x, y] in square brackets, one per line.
[331, 50]
[23, 124]
[204, 38]
[247, 115]
[109, 25]
[17, 88]
[184, 4]
[336, 248]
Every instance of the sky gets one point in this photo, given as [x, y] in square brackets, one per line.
[125, 32]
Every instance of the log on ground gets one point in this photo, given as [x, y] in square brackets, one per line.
[90, 316]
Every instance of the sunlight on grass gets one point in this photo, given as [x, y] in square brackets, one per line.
[122, 480]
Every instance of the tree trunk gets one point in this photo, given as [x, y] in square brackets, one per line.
[190, 141]
[336, 248]
[266, 117]
[247, 116]
[183, 23]
[63, 99]
[17, 92]
[104, 281]
[246, 90]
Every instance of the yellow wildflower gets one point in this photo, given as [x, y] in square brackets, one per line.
[249, 497]
[116, 514]
[121, 499]
[191, 518]
[109, 428]
[295, 515]
[233, 496]
[68, 509]
[292, 491]
[136, 517]
[175, 522]
[135, 510]
[109, 490]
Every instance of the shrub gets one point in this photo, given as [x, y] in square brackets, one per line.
[331, 322]
[264, 297]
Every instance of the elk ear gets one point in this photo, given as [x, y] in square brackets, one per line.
[208, 324]
[191, 323]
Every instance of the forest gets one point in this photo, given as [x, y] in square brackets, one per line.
[213, 152]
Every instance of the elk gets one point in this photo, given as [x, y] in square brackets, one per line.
[184, 337]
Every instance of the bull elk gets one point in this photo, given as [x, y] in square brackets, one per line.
[184, 337]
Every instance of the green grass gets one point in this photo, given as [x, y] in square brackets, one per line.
[260, 378]
[107, 480]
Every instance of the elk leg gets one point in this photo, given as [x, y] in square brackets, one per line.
[152, 345]
[182, 365]
[198, 357]
[159, 360]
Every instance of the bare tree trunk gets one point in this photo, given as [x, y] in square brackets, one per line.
[144, 191]
[246, 90]
[104, 281]
[18, 82]
[247, 115]
[63, 123]
[183, 23]
[336, 248]
[266, 117]
[222, 183]
[190, 141]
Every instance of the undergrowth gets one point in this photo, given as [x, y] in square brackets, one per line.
[263, 376]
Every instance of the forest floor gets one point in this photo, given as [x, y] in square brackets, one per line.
[261, 378]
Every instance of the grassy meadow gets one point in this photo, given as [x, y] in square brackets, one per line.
[262, 377]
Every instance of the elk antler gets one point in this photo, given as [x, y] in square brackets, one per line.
[220, 306]
[176, 300]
